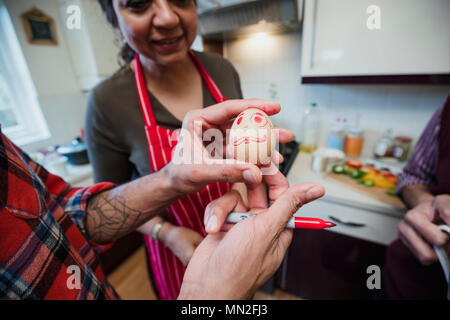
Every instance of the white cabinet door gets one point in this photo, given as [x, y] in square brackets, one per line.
[413, 37]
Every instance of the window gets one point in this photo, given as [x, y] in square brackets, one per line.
[8, 118]
[20, 115]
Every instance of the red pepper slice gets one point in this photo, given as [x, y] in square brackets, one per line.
[355, 164]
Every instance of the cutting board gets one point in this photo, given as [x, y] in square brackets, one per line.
[377, 193]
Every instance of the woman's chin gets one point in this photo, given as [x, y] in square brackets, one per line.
[172, 58]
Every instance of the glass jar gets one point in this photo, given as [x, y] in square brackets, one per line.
[354, 142]
[384, 145]
[336, 138]
[401, 148]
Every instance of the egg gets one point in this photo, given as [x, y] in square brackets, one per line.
[251, 138]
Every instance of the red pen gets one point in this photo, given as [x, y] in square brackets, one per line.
[294, 223]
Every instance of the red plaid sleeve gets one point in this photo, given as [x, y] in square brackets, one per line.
[41, 238]
[72, 200]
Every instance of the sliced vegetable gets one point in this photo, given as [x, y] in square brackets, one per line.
[387, 174]
[379, 180]
[339, 169]
[354, 164]
[347, 169]
[357, 174]
[369, 183]
[391, 192]
[393, 179]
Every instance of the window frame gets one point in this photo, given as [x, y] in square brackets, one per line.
[32, 126]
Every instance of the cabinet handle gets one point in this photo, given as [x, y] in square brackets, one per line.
[347, 223]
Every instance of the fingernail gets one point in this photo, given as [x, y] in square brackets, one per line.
[206, 219]
[314, 193]
[207, 215]
[212, 224]
[249, 176]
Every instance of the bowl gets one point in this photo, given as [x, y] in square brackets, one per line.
[76, 152]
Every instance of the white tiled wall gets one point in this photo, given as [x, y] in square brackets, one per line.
[270, 68]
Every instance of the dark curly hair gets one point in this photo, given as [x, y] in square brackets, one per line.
[126, 53]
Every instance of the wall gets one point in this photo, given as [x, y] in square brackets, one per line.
[61, 100]
[270, 68]
[58, 71]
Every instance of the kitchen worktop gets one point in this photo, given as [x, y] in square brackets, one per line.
[336, 192]
[78, 175]
[356, 213]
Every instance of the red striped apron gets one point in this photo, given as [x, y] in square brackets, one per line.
[167, 270]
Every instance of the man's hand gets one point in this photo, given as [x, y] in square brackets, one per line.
[234, 264]
[217, 211]
[441, 207]
[419, 230]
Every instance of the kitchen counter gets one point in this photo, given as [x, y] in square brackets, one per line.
[377, 220]
[79, 175]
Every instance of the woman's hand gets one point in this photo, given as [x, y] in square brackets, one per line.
[193, 166]
[181, 240]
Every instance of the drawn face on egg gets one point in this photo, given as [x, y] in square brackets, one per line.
[251, 138]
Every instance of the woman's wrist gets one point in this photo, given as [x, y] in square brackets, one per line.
[164, 233]
[156, 229]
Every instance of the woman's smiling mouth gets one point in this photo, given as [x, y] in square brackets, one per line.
[167, 44]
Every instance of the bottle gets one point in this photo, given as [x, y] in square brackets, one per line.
[310, 129]
[384, 145]
[354, 142]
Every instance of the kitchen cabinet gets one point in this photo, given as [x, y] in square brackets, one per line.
[352, 40]
[332, 263]
[326, 265]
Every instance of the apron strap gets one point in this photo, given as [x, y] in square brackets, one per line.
[212, 87]
[144, 99]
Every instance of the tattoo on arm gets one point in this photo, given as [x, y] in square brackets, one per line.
[114, 213]
[110, 218]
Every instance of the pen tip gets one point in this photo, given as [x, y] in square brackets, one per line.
[331, 225]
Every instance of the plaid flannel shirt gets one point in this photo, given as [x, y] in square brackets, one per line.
[44, 251]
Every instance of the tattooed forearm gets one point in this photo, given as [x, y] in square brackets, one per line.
[111, 218]
[115, 213]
